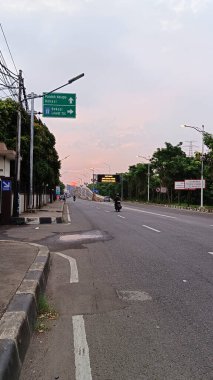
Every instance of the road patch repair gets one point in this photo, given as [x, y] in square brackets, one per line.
[133, 295]
[83, 236]
[22, 287]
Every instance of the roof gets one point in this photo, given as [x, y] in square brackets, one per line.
[4, 152]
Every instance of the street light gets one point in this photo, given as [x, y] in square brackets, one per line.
[93, 178]
[33, 96]
[148, 174]
[200, 131]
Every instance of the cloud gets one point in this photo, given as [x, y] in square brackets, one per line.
[171, 25]
[41, 5]
[181, 6]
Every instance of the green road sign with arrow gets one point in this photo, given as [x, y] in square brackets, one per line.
[59, 105]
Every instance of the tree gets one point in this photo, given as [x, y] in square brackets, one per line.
[46, 162]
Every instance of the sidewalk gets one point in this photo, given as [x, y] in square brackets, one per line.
[24, 269]
[50, 213]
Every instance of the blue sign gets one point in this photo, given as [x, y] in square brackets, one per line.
[6, 185]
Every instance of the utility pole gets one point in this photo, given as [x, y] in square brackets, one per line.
[32, 96]
[16, 198]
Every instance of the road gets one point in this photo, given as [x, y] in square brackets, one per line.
[134, 293]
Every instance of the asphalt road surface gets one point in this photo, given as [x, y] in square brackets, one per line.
[134, 292]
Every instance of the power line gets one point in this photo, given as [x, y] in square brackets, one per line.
[8, 48]
[6, 79]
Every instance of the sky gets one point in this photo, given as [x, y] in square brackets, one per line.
[148, 68]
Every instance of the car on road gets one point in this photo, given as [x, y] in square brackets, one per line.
[107, 198]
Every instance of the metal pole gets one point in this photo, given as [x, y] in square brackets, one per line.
[93, 180]
[31, 150]
[201, 192]
[16, 199]
[148, 181]
[122, 187]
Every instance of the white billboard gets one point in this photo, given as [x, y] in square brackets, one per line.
[190, 184]
[194, 183]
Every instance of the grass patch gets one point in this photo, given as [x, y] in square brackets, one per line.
[46, 313]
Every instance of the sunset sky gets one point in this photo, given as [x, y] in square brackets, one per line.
[148, 68]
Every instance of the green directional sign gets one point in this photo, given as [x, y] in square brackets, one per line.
[59, 105]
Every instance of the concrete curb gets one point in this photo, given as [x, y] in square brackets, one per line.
[17, 323]
[36, 220]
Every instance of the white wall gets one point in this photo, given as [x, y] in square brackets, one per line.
[4, 167]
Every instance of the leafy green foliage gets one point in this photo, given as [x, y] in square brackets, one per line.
[46, 162]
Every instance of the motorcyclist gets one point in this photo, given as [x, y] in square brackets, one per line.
[74, 198]
[117, 200]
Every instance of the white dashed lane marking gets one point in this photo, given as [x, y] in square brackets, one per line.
[150, 228]
[82, 361]
[81, 349]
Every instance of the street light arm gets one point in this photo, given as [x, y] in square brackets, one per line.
[58, 88]
[148, 159]
[190, 126]
[65, 157]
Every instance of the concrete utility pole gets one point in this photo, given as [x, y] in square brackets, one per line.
[16, 198]
[32, 96]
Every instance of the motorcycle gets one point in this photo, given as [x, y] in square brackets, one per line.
[118, 206]
[74, 198]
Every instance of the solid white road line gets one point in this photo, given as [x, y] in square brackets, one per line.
[82, 361]
[149, 212]
[211, 253]
[120, 216]
[150, 228]
[73, 267]
[106, 210]
[68, 215]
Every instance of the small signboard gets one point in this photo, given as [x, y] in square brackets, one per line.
[57, 190]
[179, 185]
[6, 185]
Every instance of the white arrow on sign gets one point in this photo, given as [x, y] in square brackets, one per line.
[71, 100]
[6, 185]
[70, 111]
